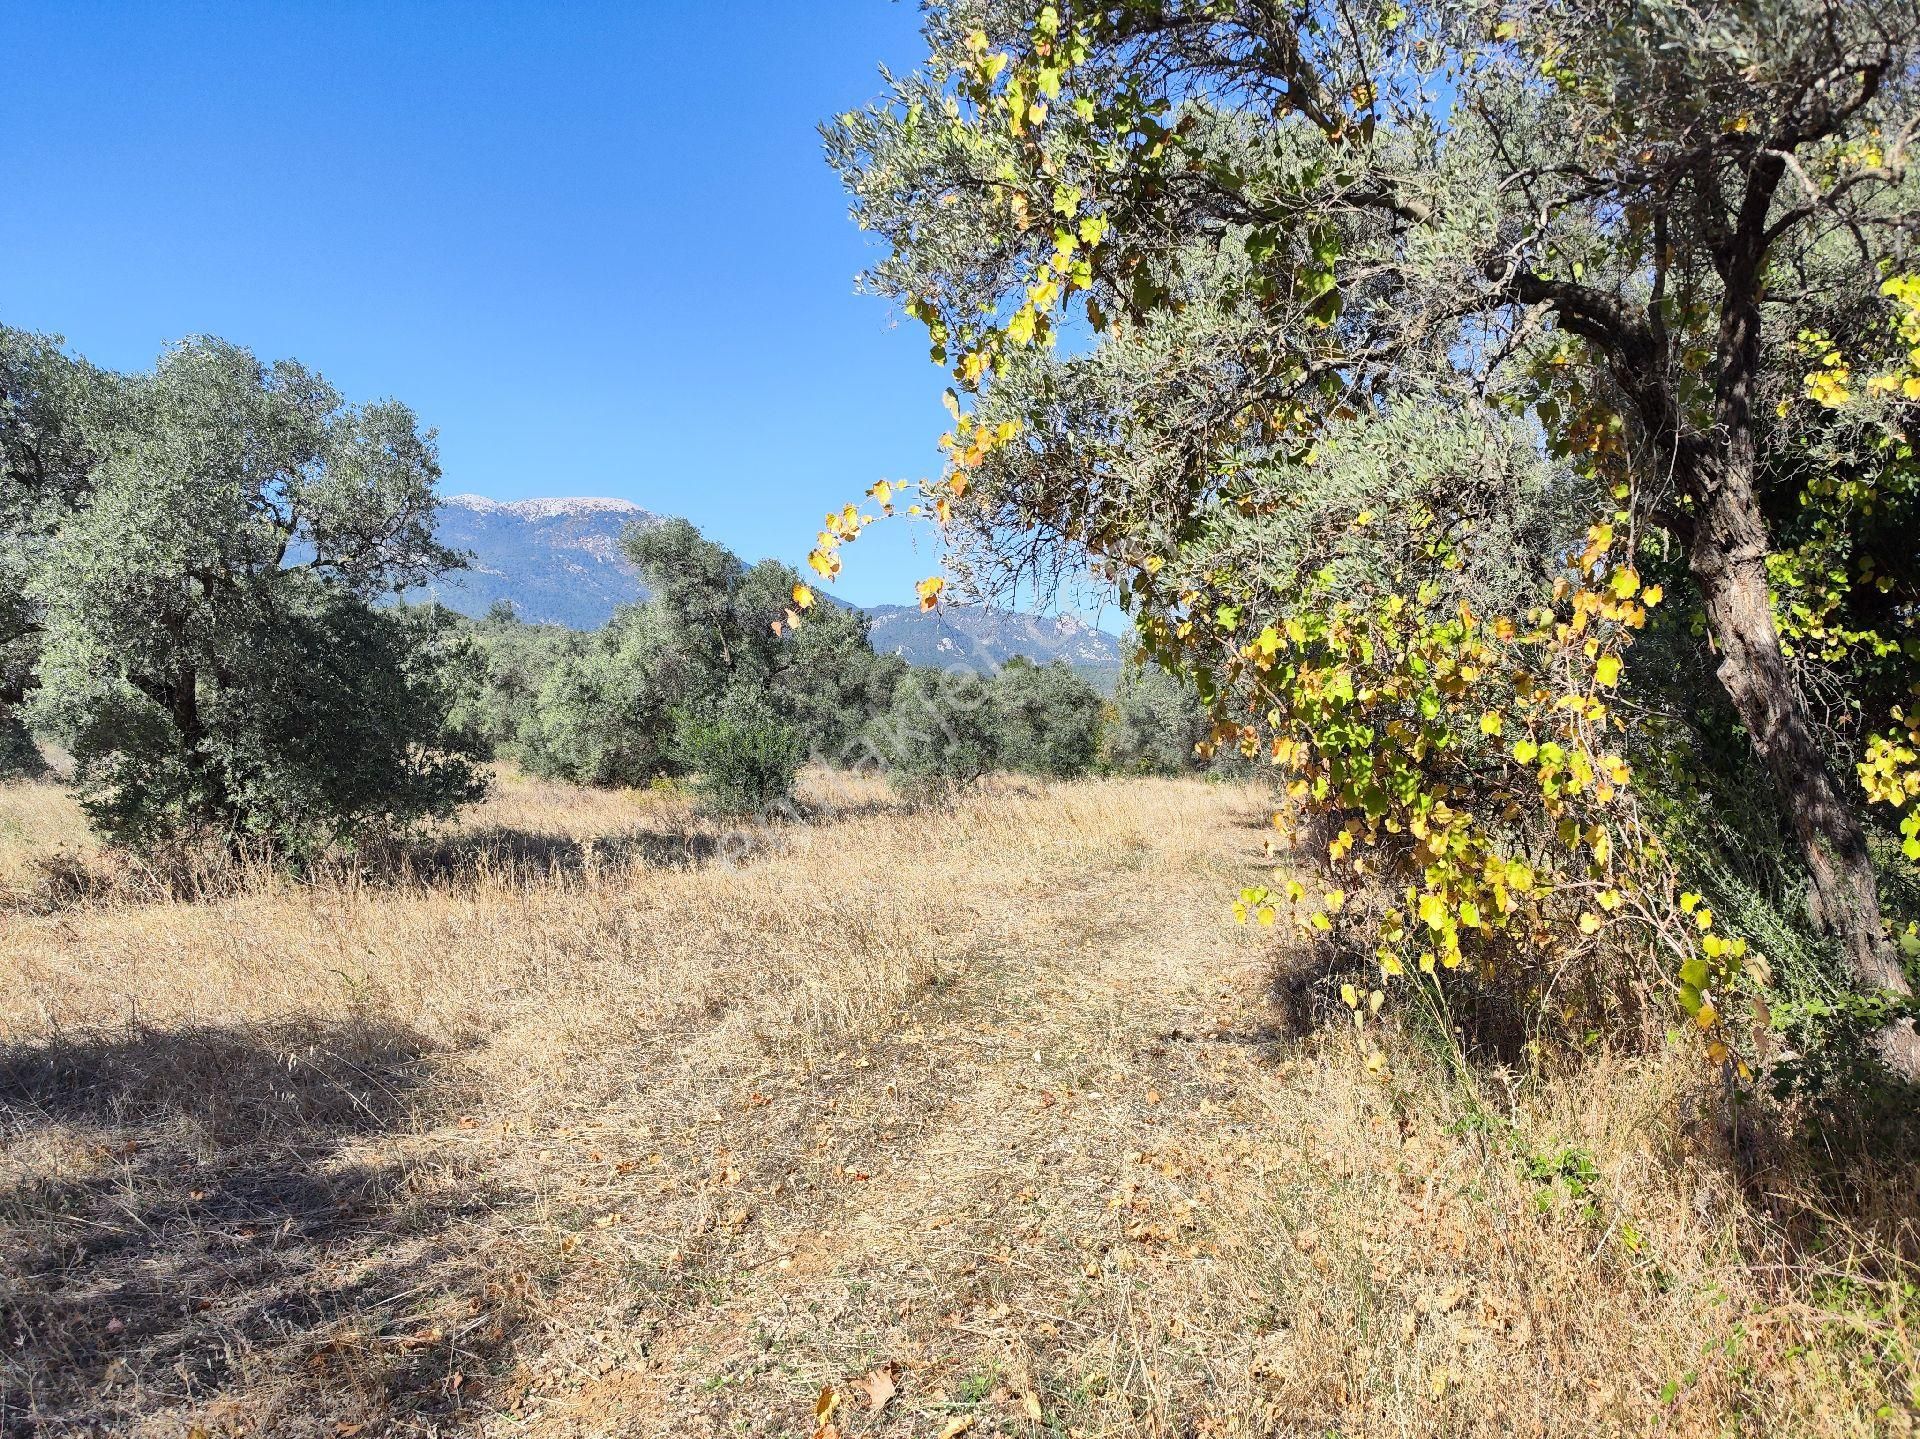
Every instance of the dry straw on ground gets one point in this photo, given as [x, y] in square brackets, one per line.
[599, 1120]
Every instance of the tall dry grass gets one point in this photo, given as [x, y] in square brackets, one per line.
[590, 1116]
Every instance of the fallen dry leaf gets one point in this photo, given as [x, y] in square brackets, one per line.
[960, 1424]
[828, 1401]
[878, 1387]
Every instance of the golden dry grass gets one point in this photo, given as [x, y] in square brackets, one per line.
[600, 1119]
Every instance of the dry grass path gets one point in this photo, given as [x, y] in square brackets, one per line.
[609, 1123]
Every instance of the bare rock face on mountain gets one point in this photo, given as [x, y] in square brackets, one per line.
[982, 639]
[559, 562]
[556, 561]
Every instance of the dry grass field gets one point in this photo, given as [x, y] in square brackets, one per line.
[595, 1119]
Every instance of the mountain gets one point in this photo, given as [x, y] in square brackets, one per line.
[558, 562]
[983, 639]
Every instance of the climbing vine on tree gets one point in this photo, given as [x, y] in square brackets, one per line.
[1200, 270]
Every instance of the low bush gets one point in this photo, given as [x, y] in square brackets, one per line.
[745, 758]
[939, 735]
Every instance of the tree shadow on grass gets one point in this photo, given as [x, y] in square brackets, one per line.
[221, 1226]
[62, 880]
[536, 855]
[1839, 1174]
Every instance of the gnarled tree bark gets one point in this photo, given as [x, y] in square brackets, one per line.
[1725, 538]
[1727, 555]
[1728, 561]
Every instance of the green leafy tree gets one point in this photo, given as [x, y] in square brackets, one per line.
[712, 628]
[727, 625]
[714, 614]
[1672, 239]
[744, 755]
[497, 710]
[211, 652]
[49, 402]
[1047, 717]
[604, 715]
[940, 733]
[829, 682]
[1153, 724]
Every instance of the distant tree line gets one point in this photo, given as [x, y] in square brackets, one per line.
[200, 572]
[707, 679]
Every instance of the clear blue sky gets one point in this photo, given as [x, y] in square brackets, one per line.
[594, 244]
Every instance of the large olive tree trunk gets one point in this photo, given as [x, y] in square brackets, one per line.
[1728, 558]
[1730, 567]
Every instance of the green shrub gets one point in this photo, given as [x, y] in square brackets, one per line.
[745, 758]
[830, 683]
[1047, 717]
[497, 710]
[939, 734]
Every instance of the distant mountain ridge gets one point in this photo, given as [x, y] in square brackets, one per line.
[558, 561]
[547, 509]
[984, 639]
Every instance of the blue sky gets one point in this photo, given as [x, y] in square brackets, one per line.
[594, 244]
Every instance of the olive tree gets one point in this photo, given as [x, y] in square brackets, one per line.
[830, 682]
[938, 735]
[50, 402]
[1153, 724]
[1657, 252]
[603, 715]
[715, 638]
[210, 647]
[1047, 719]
